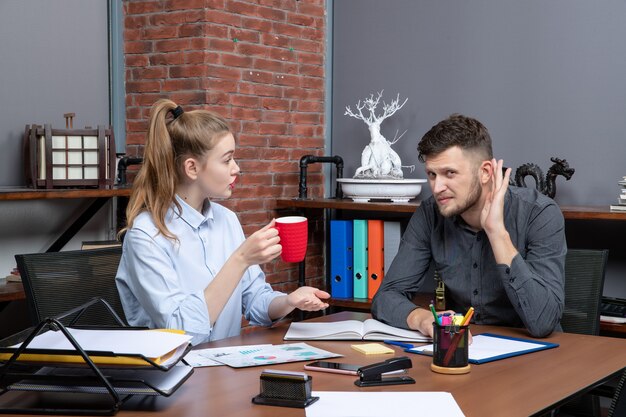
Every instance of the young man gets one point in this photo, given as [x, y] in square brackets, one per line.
[497, 248]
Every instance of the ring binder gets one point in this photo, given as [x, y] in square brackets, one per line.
[118, 382]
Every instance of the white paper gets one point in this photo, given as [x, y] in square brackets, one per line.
[273, 354]
[484, 346]
[150, 343]
[383, 404]
[204, 357]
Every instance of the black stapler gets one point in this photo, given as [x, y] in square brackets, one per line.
[372, 375]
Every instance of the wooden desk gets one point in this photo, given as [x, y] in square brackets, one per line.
[521, 386]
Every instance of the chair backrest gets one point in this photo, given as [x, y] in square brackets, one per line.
[584, 280]
[55, 282]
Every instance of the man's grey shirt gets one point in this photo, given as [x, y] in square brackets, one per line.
[529, 293]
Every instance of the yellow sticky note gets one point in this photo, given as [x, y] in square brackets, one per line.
[372, 349]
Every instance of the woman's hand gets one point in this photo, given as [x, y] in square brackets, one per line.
[261, 247]
[308, 299]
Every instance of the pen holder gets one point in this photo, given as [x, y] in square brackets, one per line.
[450, 349]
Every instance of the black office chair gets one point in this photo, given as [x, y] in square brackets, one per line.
[584, 281]
[55, 282]
[618, 405]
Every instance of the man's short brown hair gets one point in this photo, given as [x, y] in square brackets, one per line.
[457, 130]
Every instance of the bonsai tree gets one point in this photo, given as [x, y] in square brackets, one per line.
[378, 160]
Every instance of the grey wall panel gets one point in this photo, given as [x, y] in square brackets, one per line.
[53, 60]
[547, 78]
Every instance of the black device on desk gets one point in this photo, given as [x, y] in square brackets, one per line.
[613, 307]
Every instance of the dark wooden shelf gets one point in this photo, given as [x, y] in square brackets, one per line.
[13, 194]
[10, 291]
[346, 204]
[569, 212]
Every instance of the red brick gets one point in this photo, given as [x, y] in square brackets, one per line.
[183, 4]
[275, 40]
[306, 118]
[133, 34]
[143, 86]
[191, 30]
[251, 140]
[241, 113]
[200, 57]
[310, 143]
[185, 71]
[310, 82]
[213, 30]
[199, 43]
[245, 101]
[252, 49]
[309, 58]
[143, 7]
[268, 65]
[312, 70]
[290, 80]
[309, 8]
[291, 31]
[260, 90]
[136, 61]
[172, 45]
[135, 22]
[275, 104]
[215, 84]
[149, 72]
[243, 35]
[257, 24]
[276, 117]
[313, 34]
[311, 106]
[300, 19]
[222, 45]
[192, 97]
[172, 58]
[160, 32]
[236, 60]
[137, 47]
[306, 45]
[215, 71]
[271, 14]
[181, 84]
[257, 77]
[280, 54]
[241, 8]
[218, 98]
[215, 16]
[272, 129]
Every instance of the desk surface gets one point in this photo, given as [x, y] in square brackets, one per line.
[12, 194]
[519, 386]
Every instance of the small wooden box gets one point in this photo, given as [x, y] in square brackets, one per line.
[61, 158]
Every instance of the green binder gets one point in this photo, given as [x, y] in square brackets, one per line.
[360, 258]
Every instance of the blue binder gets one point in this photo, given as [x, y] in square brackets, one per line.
[360, 258]
[341, 258]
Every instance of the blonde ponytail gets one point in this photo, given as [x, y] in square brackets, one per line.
[168, 143]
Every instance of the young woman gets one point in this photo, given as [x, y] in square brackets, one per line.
[186, 263]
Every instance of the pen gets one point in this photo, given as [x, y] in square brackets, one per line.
[468, 316]
[403, 345]
[432, 309]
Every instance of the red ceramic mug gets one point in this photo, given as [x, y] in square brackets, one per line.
[293, 232]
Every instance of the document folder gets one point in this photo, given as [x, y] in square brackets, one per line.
[84, 376]
[360, 258]
[375, 256]
[341, 258]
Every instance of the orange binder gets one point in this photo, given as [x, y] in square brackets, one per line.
[375, 255]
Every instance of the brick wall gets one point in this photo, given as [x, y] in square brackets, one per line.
[258, 63]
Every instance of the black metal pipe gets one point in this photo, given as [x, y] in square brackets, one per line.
[123, 164]
[311, 159]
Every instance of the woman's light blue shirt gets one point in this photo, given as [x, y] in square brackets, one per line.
[161, 282]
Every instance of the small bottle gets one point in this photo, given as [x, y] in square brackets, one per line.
[440, 293]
